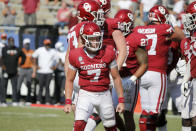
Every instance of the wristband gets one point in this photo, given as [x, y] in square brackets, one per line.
[121, 100]
[68, 101]
[133, 78]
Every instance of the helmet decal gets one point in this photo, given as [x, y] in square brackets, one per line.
[87, 7]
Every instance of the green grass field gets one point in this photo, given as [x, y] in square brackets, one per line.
[42, 119]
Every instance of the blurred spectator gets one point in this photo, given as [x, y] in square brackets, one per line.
[124, 4]
[73, 19]
[10, 57]
[43, 61]
[9, 15]
[145, 6]
[25, 71]
[135, 8]
[178, 7]
[3, 42]
[63, 15]
[30, 7]
[59, 72]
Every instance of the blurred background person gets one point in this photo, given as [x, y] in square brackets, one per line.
[30, 8]
[59, 72]
[124, 4]
[2, 44]
[25, 71]
[10, 57]
[43, 63]
[8, 15]
[63, 15]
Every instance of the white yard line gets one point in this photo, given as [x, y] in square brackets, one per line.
[30, 115]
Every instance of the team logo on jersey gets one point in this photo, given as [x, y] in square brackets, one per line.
[80, 59]
[87, 7]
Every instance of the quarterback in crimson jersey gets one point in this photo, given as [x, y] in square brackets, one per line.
[93, 62]
[154, 81]
[95, 14]
[190, 54]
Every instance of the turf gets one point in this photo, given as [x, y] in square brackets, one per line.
[43, 119]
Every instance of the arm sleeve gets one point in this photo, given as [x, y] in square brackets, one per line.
[72, 61]
[167, 30]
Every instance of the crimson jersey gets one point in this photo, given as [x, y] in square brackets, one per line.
[74, 34]
[93, 72]
[109, 26]
[185, 47]
[133, 40]
[188, 48]
[173, 56]
[158, 46]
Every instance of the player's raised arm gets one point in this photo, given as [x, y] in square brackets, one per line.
[120, 42]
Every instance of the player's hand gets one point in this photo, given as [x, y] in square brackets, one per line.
[129, 83]
[67, 108]
[173, 75]
[185, 88]
[120, 107]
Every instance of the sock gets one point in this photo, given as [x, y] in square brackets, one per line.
[91, 125]
[79, 125]
[113, 128]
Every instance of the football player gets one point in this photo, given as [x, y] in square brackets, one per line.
[114, 37]
[134, 66]
[154, 81]
[188, 47]
[88, 10]
[94, 62]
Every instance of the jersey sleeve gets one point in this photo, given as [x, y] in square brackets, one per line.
[182, 46]
[72, 60]
[166, 30]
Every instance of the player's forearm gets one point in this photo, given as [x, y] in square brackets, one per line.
[120, 42]
[68, 89]
[118, 86]
[141, 70]
[66, 63]
[120, 59]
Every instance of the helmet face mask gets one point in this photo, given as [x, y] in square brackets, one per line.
[99, 17]
[189, 22]
[189, 19]
[125, 27]
[125, 21]
[93, 42]
[92, 36]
